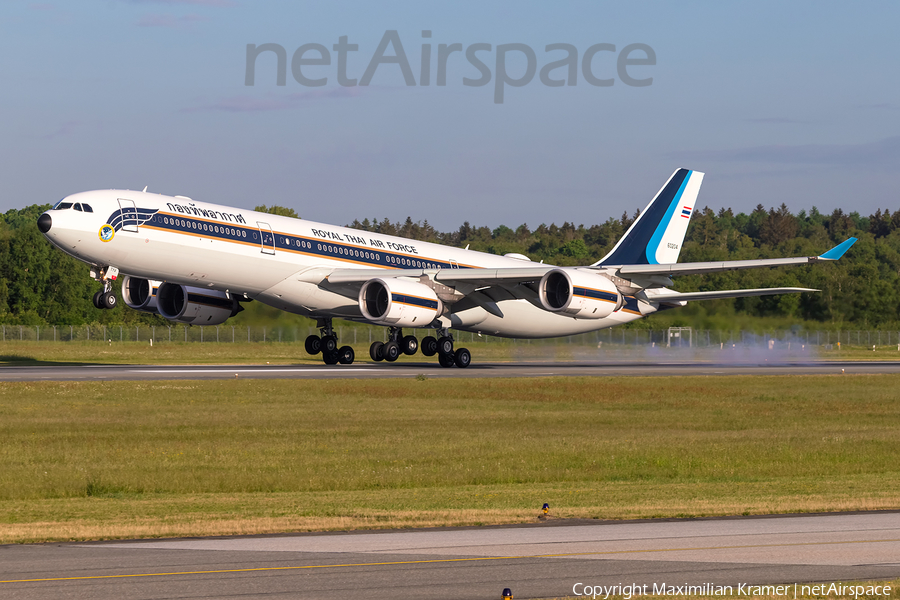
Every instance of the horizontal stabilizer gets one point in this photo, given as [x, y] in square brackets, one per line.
[718, 294]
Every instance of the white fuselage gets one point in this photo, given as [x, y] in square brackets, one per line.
[280, 261]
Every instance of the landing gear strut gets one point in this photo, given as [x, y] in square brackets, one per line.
[327, 344]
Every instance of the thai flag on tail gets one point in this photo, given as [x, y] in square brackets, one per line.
[686, 212]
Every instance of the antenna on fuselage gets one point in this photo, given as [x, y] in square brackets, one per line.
[145, 187]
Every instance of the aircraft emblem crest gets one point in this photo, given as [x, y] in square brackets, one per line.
[106, 233]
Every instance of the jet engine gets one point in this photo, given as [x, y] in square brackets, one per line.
[139, 294]
[579, 294]
[399, 303]
[195, 306]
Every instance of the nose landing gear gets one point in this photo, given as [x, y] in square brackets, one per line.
[105, 298]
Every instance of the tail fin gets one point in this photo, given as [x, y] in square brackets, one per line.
[657, 234]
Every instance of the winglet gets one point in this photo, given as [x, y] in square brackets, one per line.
[838, 251]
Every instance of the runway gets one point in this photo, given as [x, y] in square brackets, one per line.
[535, 561]
[431, 369]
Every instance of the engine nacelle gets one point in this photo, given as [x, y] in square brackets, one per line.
[139, 294]
[579, 294]
[399, 303]
[195, 306]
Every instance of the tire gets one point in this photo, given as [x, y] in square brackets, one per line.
[410, 345]
[429, 346]
[446, 360]
[98, 301]
[313, 344]
[463, 358]
[391, 351]
[330, 358]
[109, 300]
[445, 345]
[376, 351]
[329, 343]
[346, 355]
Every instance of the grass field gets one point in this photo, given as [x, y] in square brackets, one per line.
[81, 352]
[92, 460]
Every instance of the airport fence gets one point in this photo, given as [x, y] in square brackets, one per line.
[364, 334]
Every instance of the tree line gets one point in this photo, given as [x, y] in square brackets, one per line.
[41, 285]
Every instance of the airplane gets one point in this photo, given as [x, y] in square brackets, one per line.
[195, 263]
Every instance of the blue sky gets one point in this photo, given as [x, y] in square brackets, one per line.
[777, 102]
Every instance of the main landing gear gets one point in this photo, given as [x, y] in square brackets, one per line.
[409, 345]
[396, 345]
[327, 344]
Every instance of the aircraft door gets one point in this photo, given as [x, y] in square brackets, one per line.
[267, 238]
[129, 215]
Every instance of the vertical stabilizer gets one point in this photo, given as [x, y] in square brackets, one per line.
[657, 234]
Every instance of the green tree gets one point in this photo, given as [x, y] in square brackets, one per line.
[277, 210]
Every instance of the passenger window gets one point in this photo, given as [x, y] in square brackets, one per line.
[78, 207]
[87, 208]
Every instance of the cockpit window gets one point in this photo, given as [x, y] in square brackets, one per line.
[78, 207]
[87, 208]
[62, 205]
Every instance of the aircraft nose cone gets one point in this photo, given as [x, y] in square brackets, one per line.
[44, 223]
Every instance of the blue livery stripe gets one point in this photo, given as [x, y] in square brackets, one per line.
[414, 301]
[656, 239]
[595, 294]
[297, 244]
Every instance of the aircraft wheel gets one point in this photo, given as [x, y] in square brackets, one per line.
[376, 351]
[329, 343]
[109, 300]
[429, 346]
[346, 355]
[313, 344]
[445, 360]
[410, 345]
[391, 351]
[445, 345]
[463, 358]
[330, 358]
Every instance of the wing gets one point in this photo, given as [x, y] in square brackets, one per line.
[486, 287]
[727, 265]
